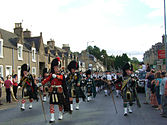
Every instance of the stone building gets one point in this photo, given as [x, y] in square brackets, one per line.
[151, 56]
[20, 47]
[94, 64]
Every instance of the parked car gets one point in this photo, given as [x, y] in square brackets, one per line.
[141, 81]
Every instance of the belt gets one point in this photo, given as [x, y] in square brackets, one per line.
[57, 86]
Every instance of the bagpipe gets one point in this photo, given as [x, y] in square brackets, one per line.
[131, 89]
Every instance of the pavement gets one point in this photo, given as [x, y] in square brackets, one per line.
[100, 111]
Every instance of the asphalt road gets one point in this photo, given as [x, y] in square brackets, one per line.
[100, 111]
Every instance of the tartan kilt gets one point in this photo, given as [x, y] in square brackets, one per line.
[76, 92]
[89, 89]
[56, 98]
[118, 86]
[0, 92]
[27, 92]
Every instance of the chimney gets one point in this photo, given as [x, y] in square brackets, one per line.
[18, 30]
[51, 43]
[27, 33]
[163, 39]
[40, 34]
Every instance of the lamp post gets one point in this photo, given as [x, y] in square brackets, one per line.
[165, 34]
[88, 51]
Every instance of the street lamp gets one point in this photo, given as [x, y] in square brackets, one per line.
[165, 34]
[88, 51]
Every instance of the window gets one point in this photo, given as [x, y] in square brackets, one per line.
[1, 70]
[20, 51]
[1, 48]
[33, 54]
[8, 70]
[33, 70]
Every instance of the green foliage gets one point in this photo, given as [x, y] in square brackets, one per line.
[111, 61]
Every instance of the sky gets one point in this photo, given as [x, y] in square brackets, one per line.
[118, 26]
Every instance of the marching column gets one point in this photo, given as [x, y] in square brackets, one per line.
[29, 88]
[73, 84]
[58, 90]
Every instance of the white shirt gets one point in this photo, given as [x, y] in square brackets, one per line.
[108, 77]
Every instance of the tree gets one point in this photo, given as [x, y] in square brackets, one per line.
[111, 61]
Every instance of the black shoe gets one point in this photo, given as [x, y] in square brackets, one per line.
[154, 106]
[22, 109]
[1, 104]
[125, 114]
[51, 121]
[164, 116]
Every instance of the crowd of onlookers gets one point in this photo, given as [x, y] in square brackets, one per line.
[10, 84]
[156, 90]
[11, 87]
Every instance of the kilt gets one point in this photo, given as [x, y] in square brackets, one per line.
[30, 93]
[118, 86]
[56, 96]
[89, 89]
[76, 92]
[0, 92]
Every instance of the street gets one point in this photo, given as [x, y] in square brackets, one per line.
[100, 111]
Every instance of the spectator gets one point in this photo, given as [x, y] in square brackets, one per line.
[150, 78]
[165, 102]
[163, 93]
[15, 85]
[148, 69]
[153, 98]
[1, 77]
[143, 67]
[1, 82]
[40, 78]
[8, 84]
[157, 89]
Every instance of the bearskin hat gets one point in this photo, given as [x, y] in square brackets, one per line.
[55, 62]
[45, 71]
[127, 66]
[24, 67]
[88, 72]
[73, 65]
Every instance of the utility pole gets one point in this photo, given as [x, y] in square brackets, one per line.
[88, 52]
[165, 34]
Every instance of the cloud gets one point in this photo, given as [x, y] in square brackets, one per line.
[156, 6]
[153, 3]
[76, 23]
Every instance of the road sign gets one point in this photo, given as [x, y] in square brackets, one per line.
[161, 54]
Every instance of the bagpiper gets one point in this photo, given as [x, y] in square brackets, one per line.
[73, 84]
[47, 85]
[108, 83]
[83, 83]
[58, 90]
[128, 89]
[29, 88]
[90, 86]
[118, 84]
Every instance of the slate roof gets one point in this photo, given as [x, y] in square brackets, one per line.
[10, 40]
[36, 41]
